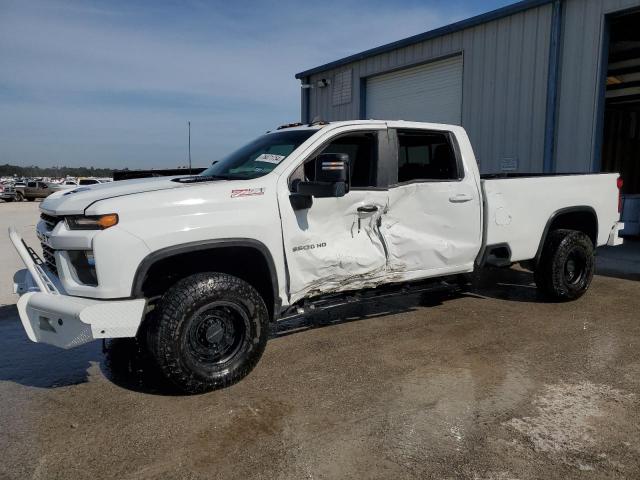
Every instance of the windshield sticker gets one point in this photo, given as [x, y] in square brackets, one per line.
[270, 158]
[247, 192]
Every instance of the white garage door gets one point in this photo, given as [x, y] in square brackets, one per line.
[427, 93]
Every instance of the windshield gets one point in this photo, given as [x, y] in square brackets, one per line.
[258, 157]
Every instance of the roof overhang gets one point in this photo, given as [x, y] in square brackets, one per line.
[438, 32]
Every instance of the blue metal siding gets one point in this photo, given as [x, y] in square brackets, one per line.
[438, 32]
[504, 84]
[555, 50]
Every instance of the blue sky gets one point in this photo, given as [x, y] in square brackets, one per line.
[112, 84]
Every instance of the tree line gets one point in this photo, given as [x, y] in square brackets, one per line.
[7, 170]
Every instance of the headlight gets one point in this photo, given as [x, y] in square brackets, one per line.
[92, 222]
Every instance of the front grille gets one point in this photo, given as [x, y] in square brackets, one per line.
[50, 220]
[49, 258]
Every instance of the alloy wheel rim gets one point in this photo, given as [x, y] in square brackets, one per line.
[217, 332]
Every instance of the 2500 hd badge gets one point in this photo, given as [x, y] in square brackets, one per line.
[309, 247]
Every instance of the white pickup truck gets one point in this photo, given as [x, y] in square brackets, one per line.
[302, 217]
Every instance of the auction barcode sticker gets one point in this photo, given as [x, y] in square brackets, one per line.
[269, 158]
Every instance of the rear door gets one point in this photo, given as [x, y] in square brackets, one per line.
[336, 244]
[432, 226]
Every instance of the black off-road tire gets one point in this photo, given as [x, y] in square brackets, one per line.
[566, 265]
[19, 197]
[208, 332]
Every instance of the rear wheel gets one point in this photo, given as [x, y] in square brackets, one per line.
[209, 331]
[31, 199]
[566, 265]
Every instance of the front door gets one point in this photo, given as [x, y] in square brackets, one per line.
[336, 244]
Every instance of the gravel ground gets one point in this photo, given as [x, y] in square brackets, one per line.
[490, 384]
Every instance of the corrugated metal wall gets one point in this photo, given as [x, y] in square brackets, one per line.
[582, 34]
[504, 85]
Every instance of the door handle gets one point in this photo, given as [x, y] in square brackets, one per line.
[460, 198]
[364, 211]
[368, 209]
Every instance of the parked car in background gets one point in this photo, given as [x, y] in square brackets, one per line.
[89, 181]
[33, 189]
[65, 185]
[7, 192]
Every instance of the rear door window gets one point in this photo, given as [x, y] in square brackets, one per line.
[426, 155]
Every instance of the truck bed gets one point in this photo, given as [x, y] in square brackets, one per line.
[520, 207]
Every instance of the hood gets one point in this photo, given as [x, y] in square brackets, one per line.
[76, 200]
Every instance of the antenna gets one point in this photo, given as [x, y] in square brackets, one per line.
[189, 125]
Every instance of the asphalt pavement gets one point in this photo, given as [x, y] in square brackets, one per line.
[494, 383]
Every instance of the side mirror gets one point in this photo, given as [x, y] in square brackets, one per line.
[332, 168]
[331, 180]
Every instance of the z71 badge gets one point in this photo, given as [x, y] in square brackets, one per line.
[310, 246]
[247, 192]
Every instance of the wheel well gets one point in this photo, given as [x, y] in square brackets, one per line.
[582, 219]
[245, 262]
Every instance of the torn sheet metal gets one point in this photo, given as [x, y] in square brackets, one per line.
[368, 238]
[332, 247]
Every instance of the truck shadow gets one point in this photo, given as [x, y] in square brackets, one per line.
[621, 262]
[30, 364]
[355, 312]
[124, 363]
[510, 284]
[38, 365]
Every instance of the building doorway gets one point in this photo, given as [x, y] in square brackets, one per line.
[621, 140]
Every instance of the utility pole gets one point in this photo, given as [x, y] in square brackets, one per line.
[189, 125]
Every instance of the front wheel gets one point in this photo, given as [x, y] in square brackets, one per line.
[566, 265]
[208, 331]
[19, 197]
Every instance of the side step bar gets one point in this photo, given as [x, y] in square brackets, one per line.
[329, 301]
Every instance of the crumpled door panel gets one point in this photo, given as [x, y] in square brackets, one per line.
[424, 230]
[331, 247]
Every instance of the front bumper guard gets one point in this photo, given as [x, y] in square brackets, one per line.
[51, 316]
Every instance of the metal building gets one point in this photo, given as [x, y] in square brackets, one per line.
[540, 85]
